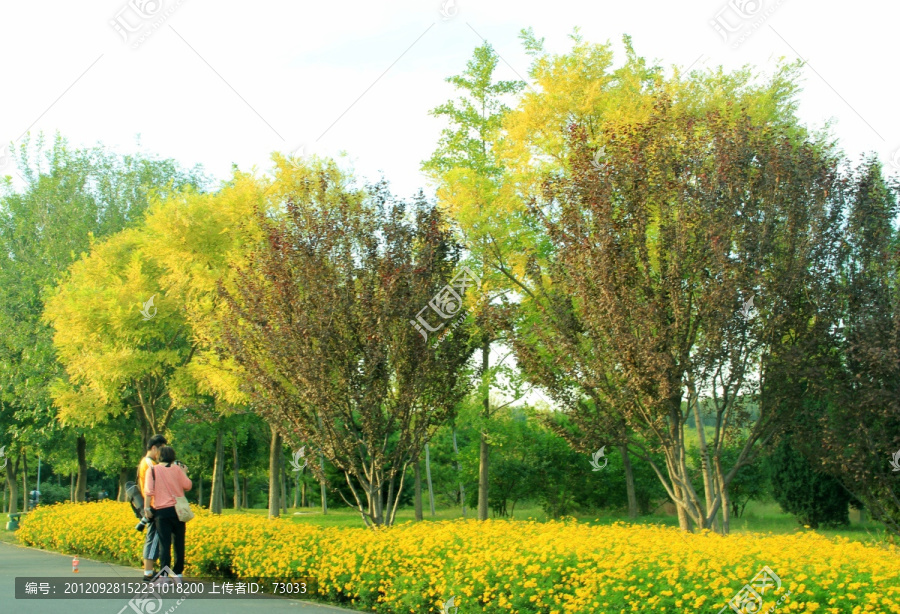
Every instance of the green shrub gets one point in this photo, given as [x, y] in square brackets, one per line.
[816, 499]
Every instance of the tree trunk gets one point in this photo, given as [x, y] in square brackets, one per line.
[484, 458]
[629, 482]
[296, 489]
[145, 428]
[123, 478]
[723, 493]
[684, 521]
[236, 469]
[12, 486]
[462, 489]
[244, 493]
[484, 450]
[72, 487]
[224, 497]
[322, 485]
[81, 484]
[719, 527]
[322, 467]
[283, 481]
[303, 502]
[200, 490]
[680, 497]
[379, 506]
[24, 481]
[417, 495]
[428, 477]
[274, 455]
[675, 461]
[709, 492]
[216, 496]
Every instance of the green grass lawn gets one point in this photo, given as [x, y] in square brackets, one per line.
[7, 537]
[345, 517]
[758, 517]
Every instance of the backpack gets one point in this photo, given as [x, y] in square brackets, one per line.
[133, 496]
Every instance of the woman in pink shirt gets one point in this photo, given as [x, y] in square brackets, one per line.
[162, 484]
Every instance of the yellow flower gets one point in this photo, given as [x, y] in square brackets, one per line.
[502, 566]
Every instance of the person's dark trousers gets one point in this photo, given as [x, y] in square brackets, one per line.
[170, 529]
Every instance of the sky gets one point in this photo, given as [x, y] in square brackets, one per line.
[224, 83]
[227, 83]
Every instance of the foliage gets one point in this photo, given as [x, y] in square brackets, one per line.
[71, 197]
[750, 483]
[53, 493]
[472, 188]
[320, 320]
[815, 498]
[531, 462]
[118, 361]
[115, 446]
[853, 416]
[471, 179]
[657, 240]
[501, 566]
[125, 357]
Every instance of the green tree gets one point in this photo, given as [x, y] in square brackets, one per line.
[853, 416]
[815, 498]
[69, 196]
[114, 447]
[471, 185]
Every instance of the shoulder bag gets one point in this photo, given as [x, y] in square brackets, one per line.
[182, 507]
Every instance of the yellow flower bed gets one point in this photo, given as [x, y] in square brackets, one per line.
[502, 566]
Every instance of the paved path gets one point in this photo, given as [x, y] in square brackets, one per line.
[18, 561]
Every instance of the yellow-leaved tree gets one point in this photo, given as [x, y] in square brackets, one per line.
[135, 320]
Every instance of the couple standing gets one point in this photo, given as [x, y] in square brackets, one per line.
[160, 480]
